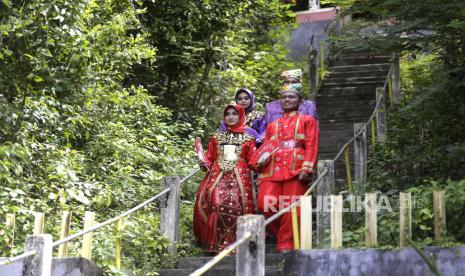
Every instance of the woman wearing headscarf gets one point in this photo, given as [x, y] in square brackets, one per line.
[226, 190]
[254, 119]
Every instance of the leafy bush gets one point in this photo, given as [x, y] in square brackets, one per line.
[72, 137]
[91, 93]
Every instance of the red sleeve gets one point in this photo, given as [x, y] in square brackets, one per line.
[254, 165]
[267, 133]
[311, 145]
[251, 147]
[212, 152]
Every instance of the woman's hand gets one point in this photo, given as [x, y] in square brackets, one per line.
[305, 177]
[264, 160]
[203, 165]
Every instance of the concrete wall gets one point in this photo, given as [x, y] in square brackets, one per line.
[299, 44]
[315, 15]
[351, 262]
[60, 267]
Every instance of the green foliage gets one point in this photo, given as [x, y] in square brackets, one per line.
[422, 215]
[72, 137]
[207, 50]
[425, 145]
[91, 93]
[425, 134]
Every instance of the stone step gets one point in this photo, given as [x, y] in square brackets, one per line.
[333, 134]
[354, 74]
[227, 262]
[269, 270]
[344, 106]
[346, 120]
[358, 53]
[347, 90]
[346, 112]
[377, 83]
[359, 60]
[340, 162]
[333, 102]
[364, 67]
[335, 140]
[335, 126]
[356, 108]
[360, 100]
[350, 80]
[329, 153]
[340, 168]
[337, 133]
[349, 94]
[339, 117]
[328, 148]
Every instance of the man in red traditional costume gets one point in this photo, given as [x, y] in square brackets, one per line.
[226, 191]
[286, 173]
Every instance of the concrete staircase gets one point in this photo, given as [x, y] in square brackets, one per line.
[347, 96]
[227, 267]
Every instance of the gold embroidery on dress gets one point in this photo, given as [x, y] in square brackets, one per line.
[228, 138]
[252, 116]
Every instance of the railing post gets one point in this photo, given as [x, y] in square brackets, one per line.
[373, 134]
[371, 220]
[381, 115]
[295, 228]
[39, 264]
[86, 250]
[439, 206]
[360, 154]
[306, 222]
[10, 223]
[336, 221]
[169, 224]
[313, 74]
[64, 231]
[405, 218]
[39, 219]
[250, 258]
[348, 170]
[118, 228]
[314, 4]
[395, 77]
[323, 191]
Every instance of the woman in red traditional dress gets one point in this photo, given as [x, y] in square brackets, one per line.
[226, 191]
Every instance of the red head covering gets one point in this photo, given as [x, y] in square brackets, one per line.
[240, 126]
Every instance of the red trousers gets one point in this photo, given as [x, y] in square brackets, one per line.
[276, 195]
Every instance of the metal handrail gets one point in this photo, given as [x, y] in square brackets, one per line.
[100, 225]
[17, 258]
[375, 110]
[124, 214]
[388, 76]
[247, 235]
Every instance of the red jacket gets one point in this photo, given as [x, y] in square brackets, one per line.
[298, 139]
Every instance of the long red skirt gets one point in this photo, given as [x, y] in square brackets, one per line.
[221, 199]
